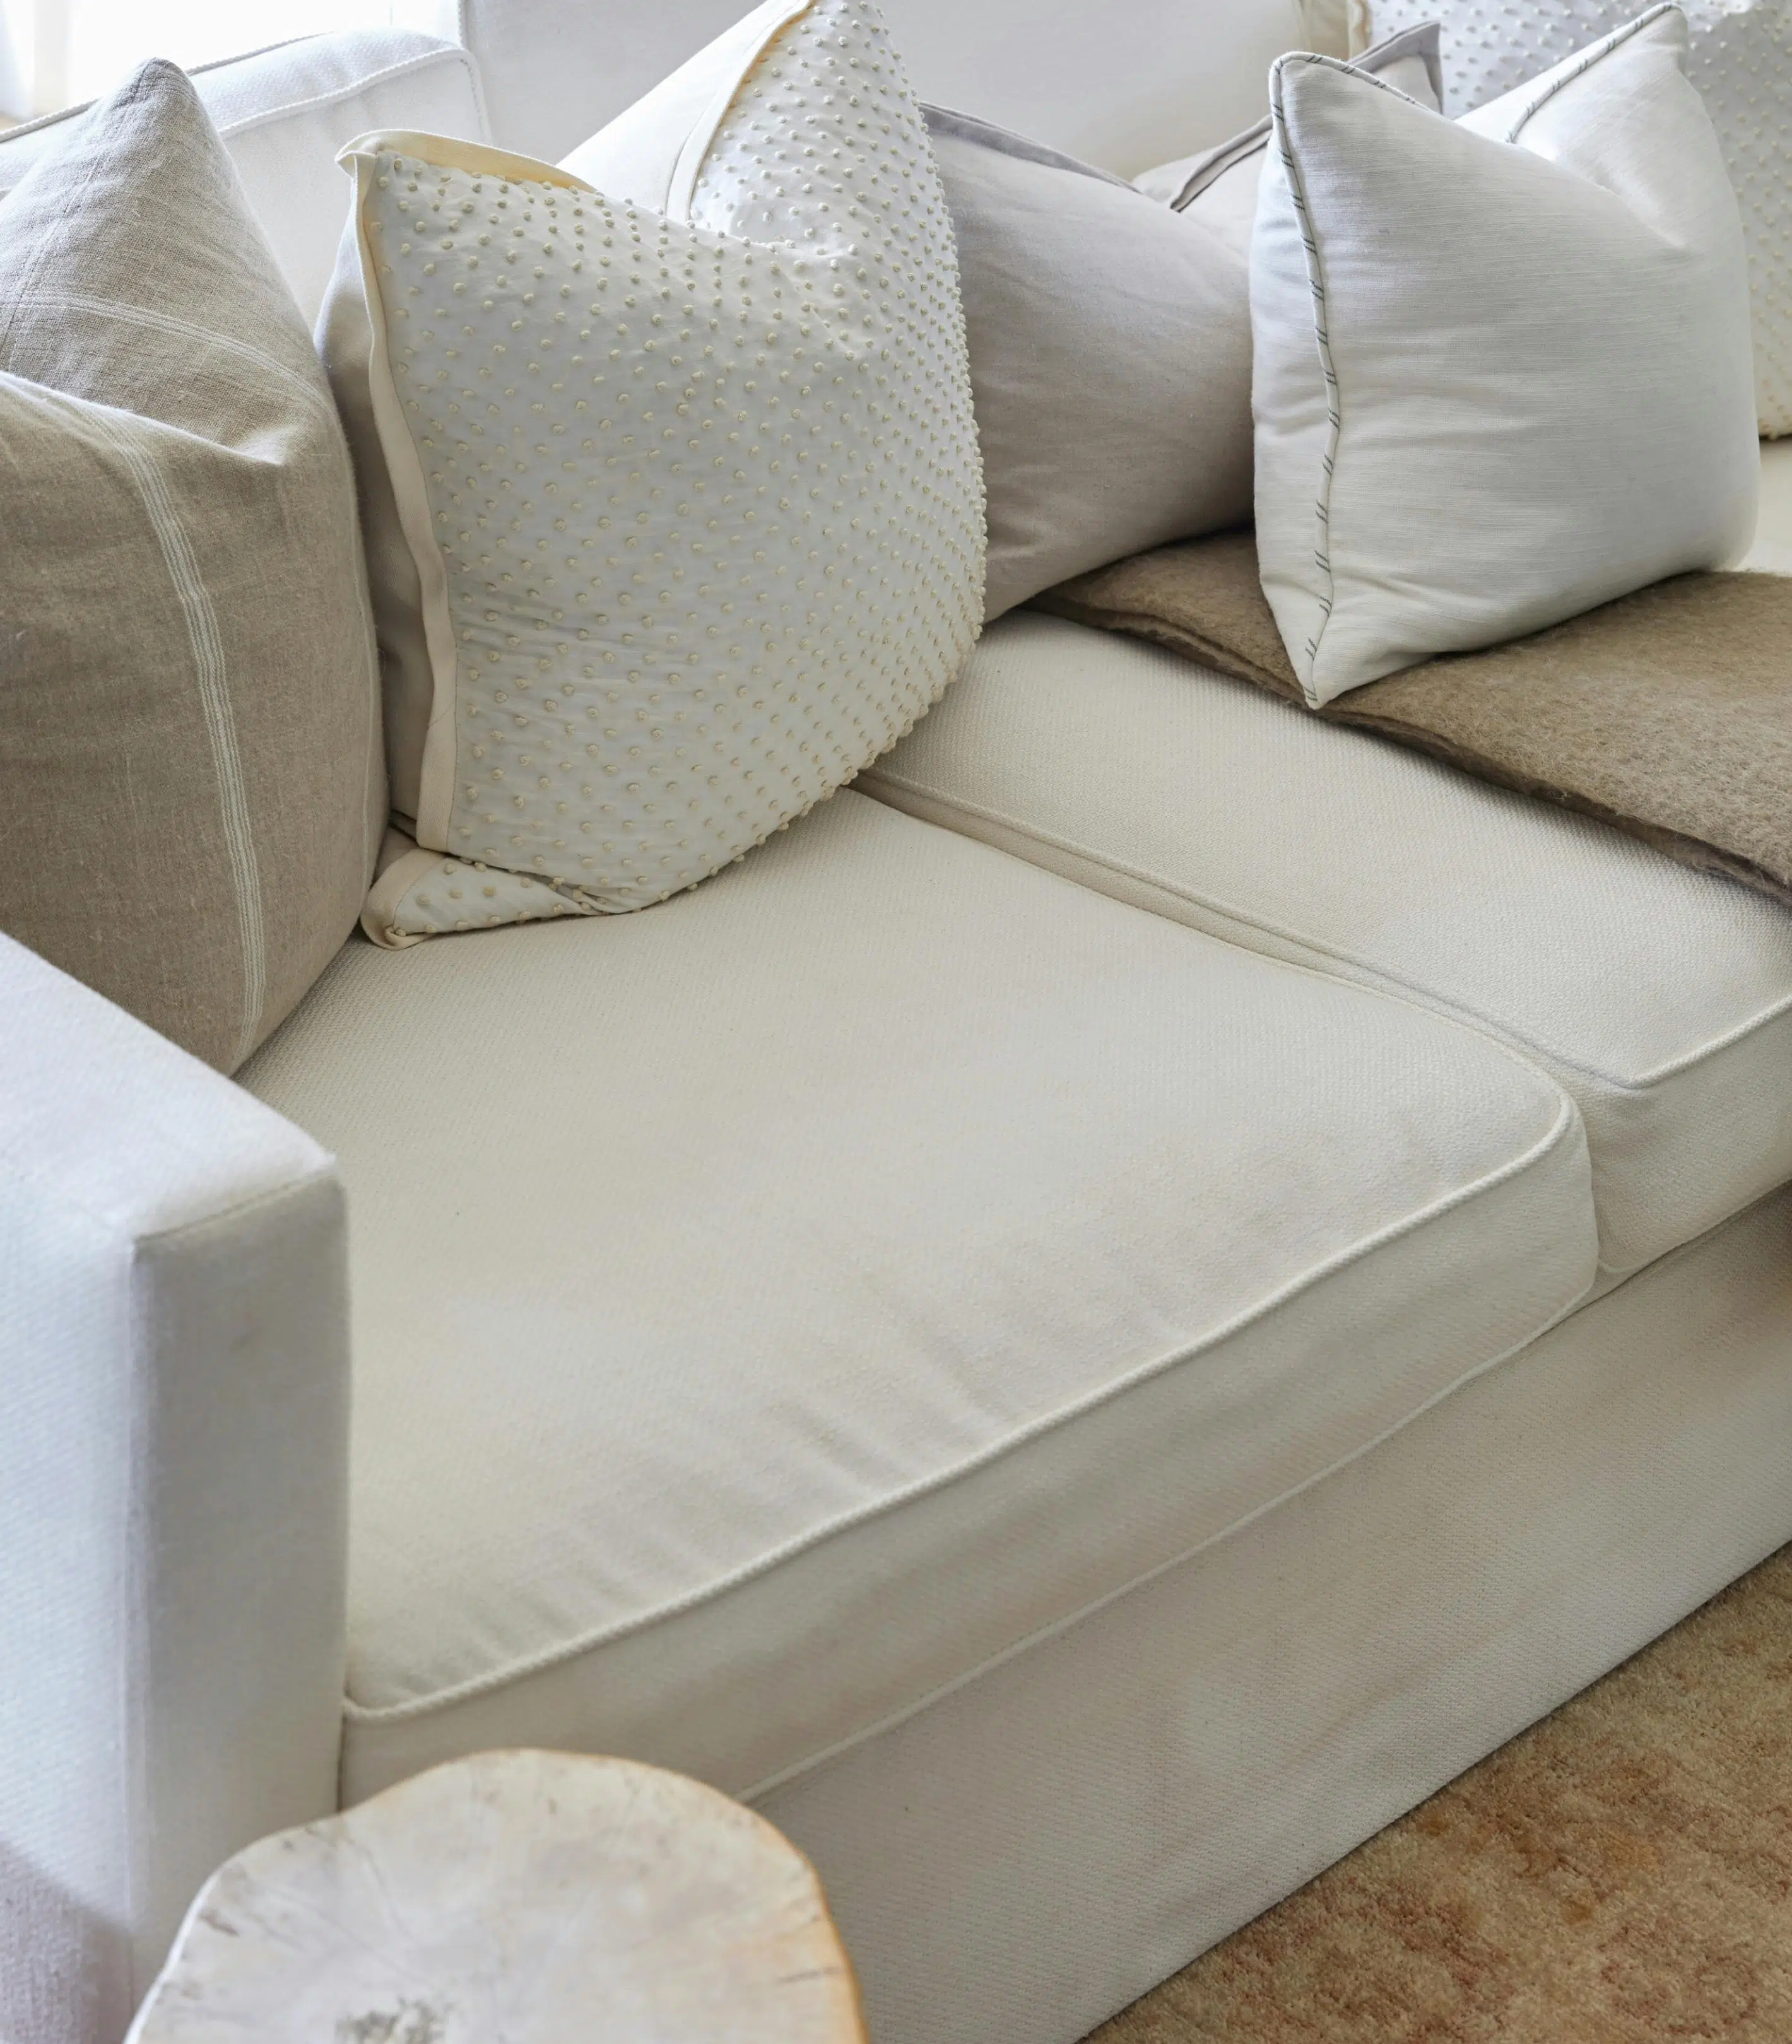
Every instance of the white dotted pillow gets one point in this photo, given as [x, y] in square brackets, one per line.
[691, 495]
[1740, 59]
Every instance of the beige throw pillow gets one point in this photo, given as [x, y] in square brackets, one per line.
[190, 784]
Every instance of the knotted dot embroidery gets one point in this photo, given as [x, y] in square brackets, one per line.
[706, 495]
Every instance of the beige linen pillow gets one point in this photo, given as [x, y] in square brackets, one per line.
[680, 442]
[1110, 360]
[190, 783]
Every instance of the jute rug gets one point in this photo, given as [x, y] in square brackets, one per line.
[1621, 1873]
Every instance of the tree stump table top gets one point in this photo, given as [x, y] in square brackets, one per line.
[514, 1898]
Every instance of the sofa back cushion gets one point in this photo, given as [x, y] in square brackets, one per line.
[284, 113]
[191, 782]
[1124, 83]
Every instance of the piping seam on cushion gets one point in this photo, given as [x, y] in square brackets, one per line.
[1334, 404]
[1046, 1633]
[1601, 50]
[891, 1719]
[424, 57]
[1566, 1123]
[1383, 978]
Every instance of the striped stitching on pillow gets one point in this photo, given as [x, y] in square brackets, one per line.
[211, 675]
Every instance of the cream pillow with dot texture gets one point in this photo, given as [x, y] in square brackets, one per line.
[680, 442]
[1502, 370]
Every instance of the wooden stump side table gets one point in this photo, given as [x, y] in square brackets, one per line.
[514, 1898]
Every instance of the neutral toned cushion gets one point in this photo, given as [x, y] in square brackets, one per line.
[1126, 83]
[1218, 187]
[1660, 997]
[190, 786]
[1110, 360]
[173, 1360]
[284, 113]
[1566, 261]
[684, 463]
[919, 1249]
[1740, 60]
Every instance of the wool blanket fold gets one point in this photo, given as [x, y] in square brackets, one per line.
[1667, 714]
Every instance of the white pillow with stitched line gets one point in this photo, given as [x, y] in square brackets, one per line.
[1501, 369]
[1740, 59]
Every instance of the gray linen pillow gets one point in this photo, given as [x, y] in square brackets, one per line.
[1110, 360]
[192, 790]
[1218, 187]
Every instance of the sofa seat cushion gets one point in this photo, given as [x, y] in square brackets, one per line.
[1659, 997]
[771, 1306]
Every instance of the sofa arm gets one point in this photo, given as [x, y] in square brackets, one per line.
[173, 1378]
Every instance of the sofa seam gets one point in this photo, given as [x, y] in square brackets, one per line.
[1392, 992]
[455, 52]
[1432, 1002]
[43, 121]
[1042, 1635]
[326, 1175]
[325, 1172]
[1565, 1122]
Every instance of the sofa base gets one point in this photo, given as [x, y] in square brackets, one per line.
[1031, 1851]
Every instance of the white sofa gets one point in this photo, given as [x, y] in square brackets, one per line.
[1097, 1320]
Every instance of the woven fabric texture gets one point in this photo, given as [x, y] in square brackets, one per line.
[1406, 288]
[1667, 713]
[1660, 996]
[964, 1245]
[1110, 358]
[1740, 59]
[681, 439]
[190, 751]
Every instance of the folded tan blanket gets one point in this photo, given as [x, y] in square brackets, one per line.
[1667, 713]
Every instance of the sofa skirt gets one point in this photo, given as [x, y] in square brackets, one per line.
[1018, 1856]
